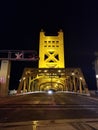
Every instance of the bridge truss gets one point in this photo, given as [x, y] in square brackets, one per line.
[42, 79]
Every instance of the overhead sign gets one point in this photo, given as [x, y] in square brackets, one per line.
[19, 55]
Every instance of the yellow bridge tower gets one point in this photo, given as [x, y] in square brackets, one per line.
[51, 51]
[51, 72]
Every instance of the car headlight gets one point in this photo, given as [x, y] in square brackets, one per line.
[50, 92]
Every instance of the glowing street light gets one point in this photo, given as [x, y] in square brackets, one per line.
[73, 73]
[80, 78]
[96, 76]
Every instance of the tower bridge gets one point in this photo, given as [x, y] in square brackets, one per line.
[51, 72]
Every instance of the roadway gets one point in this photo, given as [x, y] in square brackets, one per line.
[42, 106]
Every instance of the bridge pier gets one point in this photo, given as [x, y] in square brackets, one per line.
[4, 77]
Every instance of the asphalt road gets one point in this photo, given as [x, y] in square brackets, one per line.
[42, 106]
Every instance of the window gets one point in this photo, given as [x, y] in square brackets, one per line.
[57, 41]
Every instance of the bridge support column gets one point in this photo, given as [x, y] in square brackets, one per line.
[80, 86]
[4, 77]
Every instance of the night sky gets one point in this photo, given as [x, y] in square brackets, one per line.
[21, 22]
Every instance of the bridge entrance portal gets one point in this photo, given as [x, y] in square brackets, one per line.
[69, 79]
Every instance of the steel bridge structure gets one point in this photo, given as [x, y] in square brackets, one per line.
[51, 72]
[39, 79]
[42, 79]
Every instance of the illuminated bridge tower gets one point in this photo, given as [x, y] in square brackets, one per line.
[51, 51]
[51, 72]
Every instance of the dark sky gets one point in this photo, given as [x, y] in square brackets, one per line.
[21, 22]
